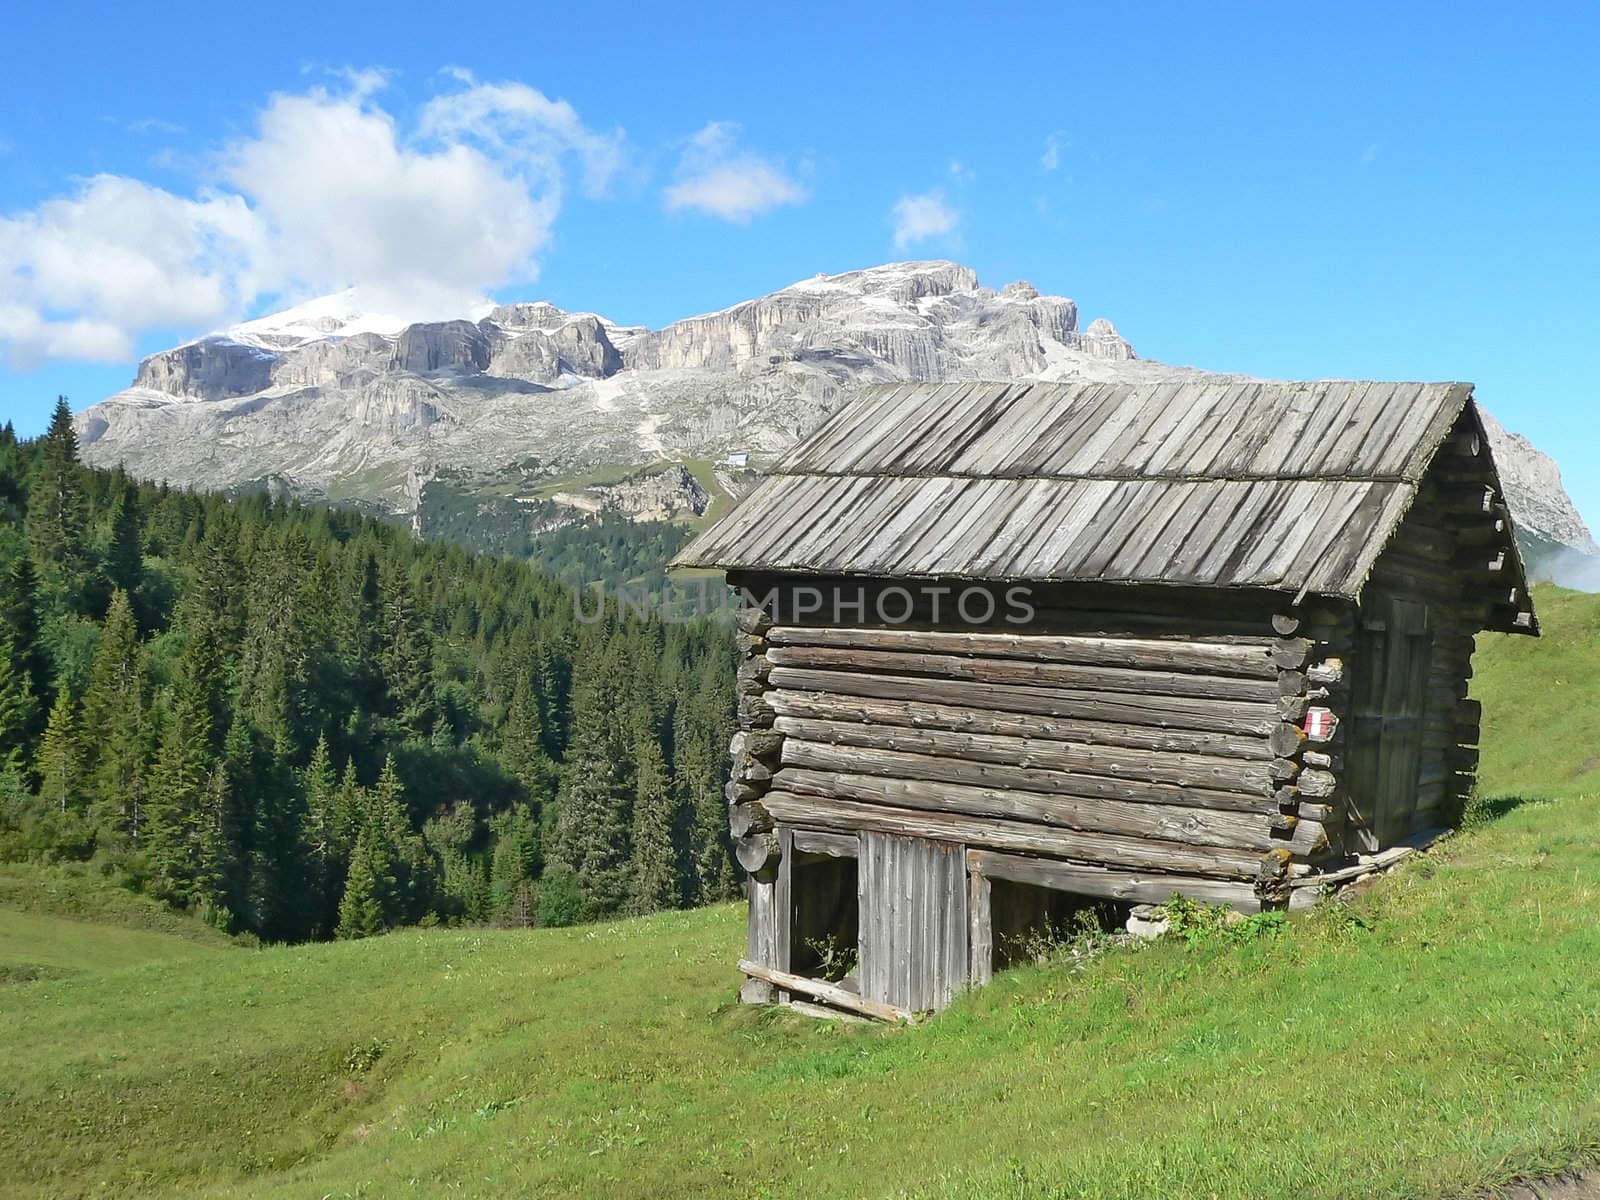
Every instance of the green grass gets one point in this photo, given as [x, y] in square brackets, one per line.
[58, 920]
[1437, 1036]
[1541, 700]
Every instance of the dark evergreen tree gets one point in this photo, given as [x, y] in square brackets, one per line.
[654, 875]
[19, 613]
[18, 709]
[371, 882]
[59, 762]
[58, 515]
[404, 657]
[113, 720]
[124, 558]
[325, 847]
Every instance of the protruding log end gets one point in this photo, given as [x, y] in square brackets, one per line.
[756, 850]
[747, 819]
[752, 620]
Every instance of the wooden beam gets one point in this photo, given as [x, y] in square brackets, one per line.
[1018, 836]
[1019, 671]
[1250, 662]
[828, 993]
[1214, 772]
[820, 841]
[1086, 879]
[1160, 711]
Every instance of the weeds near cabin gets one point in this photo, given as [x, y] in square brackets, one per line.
[1198, 924]
[1071, 942]
[836, 956]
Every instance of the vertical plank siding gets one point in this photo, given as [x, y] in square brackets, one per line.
[914, 924]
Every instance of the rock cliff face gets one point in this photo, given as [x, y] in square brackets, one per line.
[345, 403]
[335, 401]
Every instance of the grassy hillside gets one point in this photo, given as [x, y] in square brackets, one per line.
[57, 920]
[1541, 700]
[1438, 1035]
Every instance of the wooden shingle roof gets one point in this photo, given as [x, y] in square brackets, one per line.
[1287, 486]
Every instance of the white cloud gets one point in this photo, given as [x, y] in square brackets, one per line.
[330, 191]
[919, 218]
[717, 178]
[82, 274]
[1053, 146]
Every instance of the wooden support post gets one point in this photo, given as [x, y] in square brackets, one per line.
[980, 934]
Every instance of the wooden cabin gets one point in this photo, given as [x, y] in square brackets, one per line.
[1014, 650]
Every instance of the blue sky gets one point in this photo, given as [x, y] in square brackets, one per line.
[1395, 191]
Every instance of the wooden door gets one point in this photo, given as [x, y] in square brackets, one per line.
[1394, 651]
[913, 920]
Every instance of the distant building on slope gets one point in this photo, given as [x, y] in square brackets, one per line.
[737, 458]
[1026, 648]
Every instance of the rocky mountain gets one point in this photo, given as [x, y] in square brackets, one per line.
[333, 401]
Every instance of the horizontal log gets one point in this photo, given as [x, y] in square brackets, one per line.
[823, 1012]
[1250, 662]
[829, 993]
[1014, 671]
[923, 715]
[894, 764]
[834, 845]
[989, 833]
[1084, 879]
[1201, 827]
[745, 819]
[1220, 716]
[1030, 758]
[1483, 533]
[1290, 654]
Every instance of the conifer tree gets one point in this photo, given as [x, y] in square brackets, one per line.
[58, 514]
[593, 817]
[654, 875]
[113, 726]
[124, 560]
[19, 613]
[16, 709]
[404, 656]
[58, 764]
[522, 743]
[322, 839]
[361, 910]
[515, 864]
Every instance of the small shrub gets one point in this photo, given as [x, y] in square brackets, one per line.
[560, 900]
[1200, 924]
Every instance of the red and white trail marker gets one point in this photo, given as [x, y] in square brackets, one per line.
[1320, 724]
